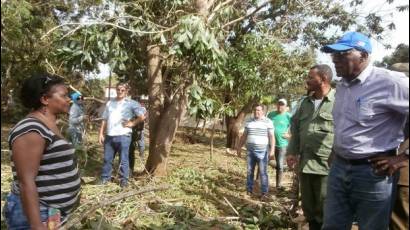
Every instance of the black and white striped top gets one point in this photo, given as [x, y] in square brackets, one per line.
[58, 180]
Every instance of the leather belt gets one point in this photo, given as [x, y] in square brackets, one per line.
[366, 160]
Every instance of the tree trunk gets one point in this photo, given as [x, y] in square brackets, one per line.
[160, 148]
[156, 99]
[197, 125]
[164, 117]
[212, 140]
[204, 127]
[233, 124]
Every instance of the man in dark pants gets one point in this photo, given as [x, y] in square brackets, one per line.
[311, 142]
[137, 140]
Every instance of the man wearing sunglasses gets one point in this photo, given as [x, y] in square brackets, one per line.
[120, 115]
[371, 104]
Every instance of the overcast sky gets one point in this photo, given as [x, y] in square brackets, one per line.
[390, 14]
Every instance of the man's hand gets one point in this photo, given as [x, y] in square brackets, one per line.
[388, 164]
[101, 139]
[291, 160]
[287, 135]
[40, 226]
[271, 155]
[128, 124]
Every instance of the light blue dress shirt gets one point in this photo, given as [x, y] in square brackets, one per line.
[369, 113]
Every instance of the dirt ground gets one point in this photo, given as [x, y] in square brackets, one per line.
[204, 194]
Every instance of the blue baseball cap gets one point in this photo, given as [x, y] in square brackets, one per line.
[75, 96]
[351, 40]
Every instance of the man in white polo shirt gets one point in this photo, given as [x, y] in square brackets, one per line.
[120, 115]
[260, 141]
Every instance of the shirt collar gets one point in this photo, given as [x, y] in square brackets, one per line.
[361, 78]
[329, 97]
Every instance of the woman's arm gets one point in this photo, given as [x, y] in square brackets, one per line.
[27, 153]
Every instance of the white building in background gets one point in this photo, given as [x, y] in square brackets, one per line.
[110, 91]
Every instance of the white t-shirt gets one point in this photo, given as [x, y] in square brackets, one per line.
[317, 103]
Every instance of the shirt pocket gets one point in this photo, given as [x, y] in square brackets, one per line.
[365, 111]
[324, 122]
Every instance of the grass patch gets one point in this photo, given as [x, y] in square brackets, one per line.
[204, 194]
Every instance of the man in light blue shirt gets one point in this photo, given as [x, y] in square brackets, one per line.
[120, 115]
[371, 105]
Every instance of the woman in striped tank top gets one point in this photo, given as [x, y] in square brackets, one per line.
[46, 183]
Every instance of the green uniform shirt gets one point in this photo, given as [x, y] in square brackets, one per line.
[312, 135]
[281, 122]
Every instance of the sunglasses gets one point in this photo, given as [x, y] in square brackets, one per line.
[342, 54]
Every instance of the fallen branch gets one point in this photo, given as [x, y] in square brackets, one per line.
[222, 218]
[229, 203]
[73, 222]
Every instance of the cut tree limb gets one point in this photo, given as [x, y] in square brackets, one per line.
[230, 205]
[73, 222]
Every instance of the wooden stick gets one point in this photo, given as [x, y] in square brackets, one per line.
[229, 203]
[108, 201]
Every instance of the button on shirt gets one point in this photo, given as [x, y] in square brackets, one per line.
[369, 111]
[116, 112]
[312, 134]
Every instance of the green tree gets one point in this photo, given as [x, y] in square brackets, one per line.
[173, 44]
[400, 55]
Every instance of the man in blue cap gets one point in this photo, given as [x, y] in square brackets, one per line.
[371, 104]
[76, 119]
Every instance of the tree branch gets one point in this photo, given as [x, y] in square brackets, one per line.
[219, 6]
[246, 16]
[72, 222]
[106, 24]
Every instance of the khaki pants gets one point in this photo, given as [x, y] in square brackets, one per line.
[400, 215]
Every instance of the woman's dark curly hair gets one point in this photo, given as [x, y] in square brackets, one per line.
[37, 86]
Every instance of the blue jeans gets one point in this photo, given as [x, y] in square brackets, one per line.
[112, 145]
[260, 158]
[354, 191]
[14, 214]
[280, 153]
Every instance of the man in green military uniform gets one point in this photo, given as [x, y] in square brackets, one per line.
[311, 143]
